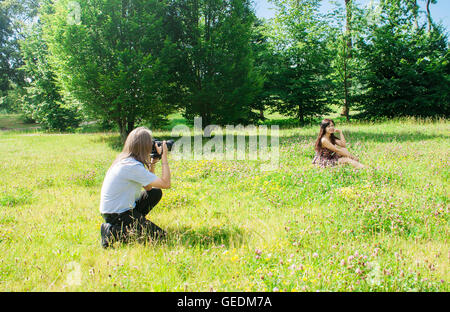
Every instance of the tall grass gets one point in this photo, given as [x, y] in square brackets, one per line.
[233, 227]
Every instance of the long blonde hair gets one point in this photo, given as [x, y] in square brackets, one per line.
[137, 145]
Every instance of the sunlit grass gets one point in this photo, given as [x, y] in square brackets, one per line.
[233, 227]
[15, 121]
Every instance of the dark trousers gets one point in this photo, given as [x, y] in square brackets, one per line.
[132, 223]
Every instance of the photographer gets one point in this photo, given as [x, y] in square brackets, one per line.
[121, 205]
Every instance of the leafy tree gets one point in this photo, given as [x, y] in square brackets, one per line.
[7, 51]
[302, 81]
[110, 56]
[215, 62]
[264, 63]
[13, 15]
[406, 69]
[43, 101]
[344, 28]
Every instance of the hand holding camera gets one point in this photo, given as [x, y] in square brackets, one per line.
[161, 148]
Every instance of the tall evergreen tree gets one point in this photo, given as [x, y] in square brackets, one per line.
[407, 69]
[215, 61]
[265, 64]
[302, 82]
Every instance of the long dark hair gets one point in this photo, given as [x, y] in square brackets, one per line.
[323, 125]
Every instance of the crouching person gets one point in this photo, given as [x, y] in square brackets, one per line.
[123, 204]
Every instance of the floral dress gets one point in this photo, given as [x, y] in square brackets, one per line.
[325, 158]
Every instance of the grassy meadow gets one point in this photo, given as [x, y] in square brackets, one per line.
[233, 227]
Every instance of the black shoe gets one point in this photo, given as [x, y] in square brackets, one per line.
[105, 232]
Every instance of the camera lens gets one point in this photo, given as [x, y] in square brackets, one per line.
[158, 143]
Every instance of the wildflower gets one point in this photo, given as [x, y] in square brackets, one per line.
[315, 255]
[275, 289]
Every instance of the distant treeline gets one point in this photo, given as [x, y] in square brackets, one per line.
[125, 62]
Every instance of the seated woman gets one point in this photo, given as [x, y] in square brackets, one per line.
[330, 150]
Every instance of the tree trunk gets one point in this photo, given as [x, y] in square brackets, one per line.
[130, 126]
[123, 131]
[261, 114]
[347, 75]
[125, 127]
[416, 12]
[429, 15]
[300, 114]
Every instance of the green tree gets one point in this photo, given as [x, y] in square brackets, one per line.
[302, 81]
[215, 62]
[43, 101]
[347, 25]
[14, 14]
[407, 69]
[8, 53]
[110, 56]
[264, 63]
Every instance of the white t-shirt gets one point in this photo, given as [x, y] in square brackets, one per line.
[123, 184]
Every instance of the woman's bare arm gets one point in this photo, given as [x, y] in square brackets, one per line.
[341, 151]
[164, 181]
[341, 141]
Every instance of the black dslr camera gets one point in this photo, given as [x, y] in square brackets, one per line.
[154, 153]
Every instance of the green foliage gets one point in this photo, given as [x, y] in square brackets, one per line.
[43, 101]
[346, 26]
[232, 226]
[19, 196]
[263, 64]
[112, 61]
[125, 63]
[12, 100]
[13, 15]
[406, 70]
[301, 82]
[6, 51]
[214, 60]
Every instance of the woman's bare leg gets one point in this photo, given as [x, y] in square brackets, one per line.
[348, 160]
